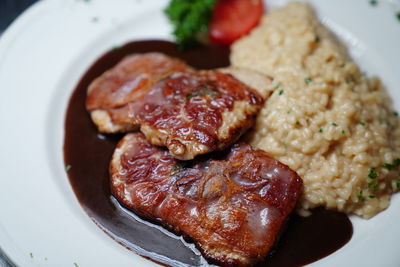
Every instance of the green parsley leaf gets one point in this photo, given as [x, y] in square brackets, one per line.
[363, 123]
[343, 132]
[320, 130]
[298, 123]
[398, 15]
[95, 19]
[76, 264]
[190, 20]
[398, 184]
[334, 124]
[31, 254]
[203, 92]
[308, 80]
[371, 196]
[373, 185]
[395, 113]
[317, 39]
[373, 2]
[360, 195]
[280, 92]
[388, 166]
[372, 173]
[277, 85]
[68, 167]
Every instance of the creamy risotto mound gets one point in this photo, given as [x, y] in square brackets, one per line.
[325, 119]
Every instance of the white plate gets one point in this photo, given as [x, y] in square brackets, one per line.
[42, 56]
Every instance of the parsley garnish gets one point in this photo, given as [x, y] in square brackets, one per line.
[280, 92]
[298, 123]
[68, 167]
[372, 173]
[334, 124]
[76, 264]
[308, 80]
[361, 196]
[371, 196]
[31, 254]
[343, 131]
[373, 2]
[398, 184]
[373, 185]
[95, 19]
[317, 39]
[277, 85]
[202, 92]
[190, 19]
[320, 130]
[390, 166]
[395, 113]
[398, 15]
[363, 123]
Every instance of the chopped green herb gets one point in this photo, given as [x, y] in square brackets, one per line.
[298, 123]
[334, 124]
[371, 196]
[277, 85]
[31, 254]
[320, 130]
[342, 65]
[76, 264]
[388, 166]
[308, 80]
[95, 19]
[190, 20]
[317, 39]
[398, 15]
[372, 173]
[395, 113]
[45, 259]
[68, 167]
[363, 123]
[361, 195]
[398, 184]
[343, 131]
[280, 92]
[288, 112]
[373, 185]
[202, 93]
[373, 2]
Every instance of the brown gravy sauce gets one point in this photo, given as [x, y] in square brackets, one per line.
[88, 152]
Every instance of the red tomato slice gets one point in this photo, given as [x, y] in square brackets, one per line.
[234, 18]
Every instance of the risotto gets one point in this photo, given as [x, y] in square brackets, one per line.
[325, 119]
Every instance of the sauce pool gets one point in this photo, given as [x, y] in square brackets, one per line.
[88, 152]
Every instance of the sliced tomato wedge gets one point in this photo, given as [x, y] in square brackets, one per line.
[234, 18]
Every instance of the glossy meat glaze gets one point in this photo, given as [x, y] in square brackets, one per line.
[232, 204]
[190, 112]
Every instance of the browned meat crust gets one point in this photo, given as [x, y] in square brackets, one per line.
[232, 206]
[189, 112]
